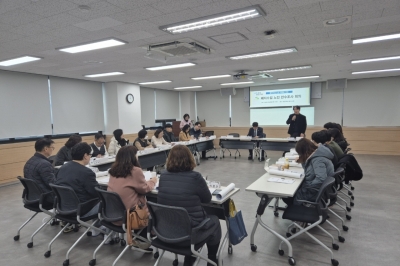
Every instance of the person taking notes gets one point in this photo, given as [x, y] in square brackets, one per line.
[256, 132]
[98, 147]
[297, 123]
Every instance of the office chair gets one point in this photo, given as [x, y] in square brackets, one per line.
[209, 133]
[70, 210]
[52, 158]
[172, 226]
[35, 200]
[235, 135]
[314, 215]
[112, 209]
[258, 150]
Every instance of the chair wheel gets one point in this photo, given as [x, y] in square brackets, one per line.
[123, 243]
[293, 230]
[117, 240]
[341, 239]
[215, 158]
[92, 262]
[253, 247]
[352, 197]
[292, 261]
[175, 263]
[348, 209]
[348, 217]
[276, 214]
[89, 233]
[288, 234]
[30, 245]
[335, 246]
[351, 204]
[16, 238]
[334, 262]
[223, 156]
[66, 263]
[352, 188]
[281, 252]
[350, 193]
[345, 228]
[230, 251]
[47, 254]
[156, 255]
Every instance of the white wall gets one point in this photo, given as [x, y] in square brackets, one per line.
[110, 94]
[213, 108]
[240, 110]
[147, 106]
[167, 104]
[188, 105]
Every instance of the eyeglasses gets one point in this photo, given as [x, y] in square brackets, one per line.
[51, 147]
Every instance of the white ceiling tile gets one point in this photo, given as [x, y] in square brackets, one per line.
[367, 15]
[137, 14]
[98, 24]
[30, 29]
[296, 3]
[18, 17]
[374, 5]
[138, 35]
[132, 4]
[67, 31]
[6, 36]
[171, 6]
[392, 11]
[219, 7]
[59, 21]
[374, 21]
[97, 9]
[8, 5]
[48, 8]
[136, 26]
[84, 2]
[171, 18]
[100, 34]
[40, 38]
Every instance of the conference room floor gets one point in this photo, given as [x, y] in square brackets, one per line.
[372, 239]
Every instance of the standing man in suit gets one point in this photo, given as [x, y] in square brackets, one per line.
[256, 132]
[297, 122]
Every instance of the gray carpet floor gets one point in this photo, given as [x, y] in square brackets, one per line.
[373, 237]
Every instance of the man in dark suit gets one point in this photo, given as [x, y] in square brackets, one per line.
[297, 122]
[255, 132]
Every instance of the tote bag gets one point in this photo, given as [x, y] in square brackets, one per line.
[237, 230]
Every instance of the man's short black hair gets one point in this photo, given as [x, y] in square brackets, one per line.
[255, 124]
[98, 136]
[197, 123]
[40, 144]
[168, 126]
[79, 150]
[296, 107]
[321, 136]
[142, 133]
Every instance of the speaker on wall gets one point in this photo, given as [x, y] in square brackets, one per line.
[227, 91]
[336, 84]
[246, 97]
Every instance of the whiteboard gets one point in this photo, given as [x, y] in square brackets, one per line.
[278, 116]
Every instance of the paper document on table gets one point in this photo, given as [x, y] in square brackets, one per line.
[103, 180]
[212, 189]
[225, 191]
[148, 175]
[286, 173]
[281, 180]
[291, 156]
[293, 151]
[101, 173]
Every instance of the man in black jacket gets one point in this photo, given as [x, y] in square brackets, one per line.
[168, 134]
[256, 132]
[297, 122]
[38, 167]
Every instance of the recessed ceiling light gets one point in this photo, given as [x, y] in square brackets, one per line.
[84, 8]
[260, 54]
[377, 38]
[170, 66]
[337, 21]
[376, 71]
[212, 77]
[236, 83]
[309, 77]
[284, 69]
[92, 46]
[192, 87]
[19, 60]
[104, 74]
[375, 59]
[155, 82]
[214, 20]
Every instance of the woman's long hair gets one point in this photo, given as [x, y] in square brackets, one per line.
[124, 162]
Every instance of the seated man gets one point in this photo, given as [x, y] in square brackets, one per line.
[77, 176]
[196, 130]
[39, 167]
[256, 132]
[324, 138]
[98, 148]
[168, 134]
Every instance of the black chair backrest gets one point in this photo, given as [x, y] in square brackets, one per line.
[32, 190]
[236, 135]
[171, 224]
[209, 133]
[112, 208]
[67, 200]
[52, 158]
[325, 187]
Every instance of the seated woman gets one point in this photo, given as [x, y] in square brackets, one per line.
[317, 165]
[184, 134]
[158, 139]
[64, 154]
[186, 121]
[338, 138]
[180, 186]
[128, 181]
[141, 141]
[117, 142]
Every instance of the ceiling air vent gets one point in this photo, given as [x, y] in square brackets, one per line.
[182, 47]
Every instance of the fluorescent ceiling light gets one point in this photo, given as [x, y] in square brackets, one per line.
[92, 46]
[170, 66]
[375, 59]
[155, 82]
[309, 77]
[260, 54]
[214, 20]
[376, 71]
[236, 83]
[212, 77]
[284, 69]
[192, 87]
[377, 39]
[19, 60]
[104, 74]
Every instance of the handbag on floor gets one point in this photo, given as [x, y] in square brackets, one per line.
[137, 218]
[237, 229]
